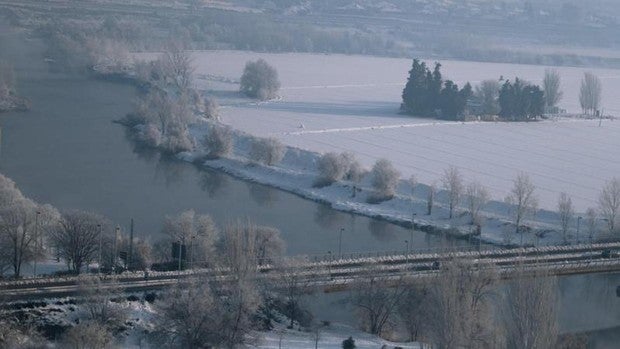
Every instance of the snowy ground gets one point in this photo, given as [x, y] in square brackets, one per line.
[350, 103]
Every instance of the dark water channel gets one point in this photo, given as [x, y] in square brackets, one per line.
[67, 152]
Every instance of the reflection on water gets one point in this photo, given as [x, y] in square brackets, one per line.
[213, 183]
[328, 218]
[262, 194]
[381, 230]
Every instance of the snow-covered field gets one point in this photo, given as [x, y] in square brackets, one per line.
[350, 103]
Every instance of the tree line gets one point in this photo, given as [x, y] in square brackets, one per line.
[427, 94]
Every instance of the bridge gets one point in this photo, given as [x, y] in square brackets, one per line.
[337, 273]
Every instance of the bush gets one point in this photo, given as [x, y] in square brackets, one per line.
[268, 151]
[333, 167]
[259, 80]
[384, 179]
[348, 343]
[218, 141]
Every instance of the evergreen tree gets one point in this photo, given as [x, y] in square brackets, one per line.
[521, 101]
[414, 94]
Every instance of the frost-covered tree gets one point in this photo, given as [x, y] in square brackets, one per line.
[218, 141]
[477, 197]
[453, 184]
[197, 232]
[267, 151]
[487, 94]
[384, 179]
[590, 93]
[552, 88]
[259, 80]
[609, 203]
[591, 224]
[269, 244]
[76, 238]
[333, 167]
[88, 334]
[566, 213]
[531, 315]
[523, 199]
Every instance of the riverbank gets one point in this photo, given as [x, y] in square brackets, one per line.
[297, 172]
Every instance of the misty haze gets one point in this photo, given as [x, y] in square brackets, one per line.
[310, 174]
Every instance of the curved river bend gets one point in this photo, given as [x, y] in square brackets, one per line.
[67, 152]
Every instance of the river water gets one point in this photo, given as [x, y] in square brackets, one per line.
[67, 152]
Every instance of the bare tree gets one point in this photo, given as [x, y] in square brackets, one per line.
[376, 302]
[523, 199]
[196, 231]
[459, 306]
[411, 310]
[292, 275]
[100, 300]
[384, 179]
[590, 93]
[268, 151]
[487, 94]
[609, 203]
[87, 335]
[530, 319]
[477, 197]
[566, 213]
[552, 88]
[189, 317]
[269, 245]
[453, 184]
[259, 80]
[218, 141]
[76, 239]
[177, 66]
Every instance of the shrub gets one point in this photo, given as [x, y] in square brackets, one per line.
[259, 80]
[333, 167]
[218, 141]
[348, 343]
[384, 179]
[268, 151]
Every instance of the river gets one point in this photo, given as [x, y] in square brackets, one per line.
[67, 152]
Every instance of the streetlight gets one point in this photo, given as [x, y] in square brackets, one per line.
[407, 253]
[412, 226]
[340, 243]
[329, 264]
[36, 242]
[116, 231]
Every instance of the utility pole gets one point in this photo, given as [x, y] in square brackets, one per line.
[180, 251]
[36, 242]
[131, 245]
[340, 243]
[578, 225]
[100, 248]
[116, 231]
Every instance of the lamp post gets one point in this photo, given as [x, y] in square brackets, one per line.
[407, 253]
[180, 251]
[578, 225]
[412, 227]
[116, 231]
[340, 243]
[36, 242]
[329, 264]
